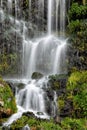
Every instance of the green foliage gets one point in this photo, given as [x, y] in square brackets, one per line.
[73, 124]
[61, 103]
[7, 97]
[77, 30]
[77, 90]
[50, 126]
[77, 11]
[78, 19]
[78, 27]
[74, 26]
[35, 124]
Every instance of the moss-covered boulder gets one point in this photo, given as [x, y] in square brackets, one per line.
[36, 75]
[7, 100]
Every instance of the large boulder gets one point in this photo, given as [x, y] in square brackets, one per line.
[36, 75]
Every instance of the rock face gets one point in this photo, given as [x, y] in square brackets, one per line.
[58, 83]
[7, 100]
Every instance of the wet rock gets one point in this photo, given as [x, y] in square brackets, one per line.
[57, 120]
[21, 85]
[50, 94]
[40, 113]
[28, 114]
[66, 111]
[26, 127]
[57, 82]
[14, 85]
[36, 75]
[5, 128]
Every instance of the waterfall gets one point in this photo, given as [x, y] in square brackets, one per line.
[57, 7]
[46, 55]
[50, 11]
[9, 6]
[59, 62]
[56, 16]
[42, 50]
[62, 15]
[1, 4]
[35, 104]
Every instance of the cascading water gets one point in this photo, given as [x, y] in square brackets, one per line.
[43, 54]
[50, 11]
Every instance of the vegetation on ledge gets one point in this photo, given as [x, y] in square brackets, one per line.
[38, 124]
[7, 101]
[77, 92]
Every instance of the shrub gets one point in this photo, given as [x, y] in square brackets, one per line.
[77, 11]
[77, 89]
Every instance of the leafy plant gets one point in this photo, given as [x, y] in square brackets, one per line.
[77, 88]
[77, 11]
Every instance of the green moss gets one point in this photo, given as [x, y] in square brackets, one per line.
[6, 96]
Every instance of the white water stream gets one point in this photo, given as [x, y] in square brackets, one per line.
[46, 55]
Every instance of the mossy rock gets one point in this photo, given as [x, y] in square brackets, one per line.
[7, 100]
[36, 75]
[57, 82]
